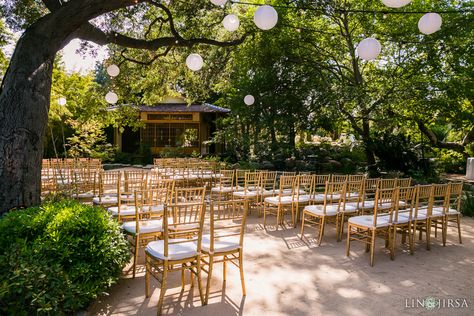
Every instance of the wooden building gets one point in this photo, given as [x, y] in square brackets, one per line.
[174, 125]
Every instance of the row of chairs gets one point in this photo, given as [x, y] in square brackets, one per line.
[169, 224]
[406, 211]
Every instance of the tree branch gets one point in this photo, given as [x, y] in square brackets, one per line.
[145, 63]
[436, 142]
[92, 33]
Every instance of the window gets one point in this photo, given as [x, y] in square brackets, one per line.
[171, 135]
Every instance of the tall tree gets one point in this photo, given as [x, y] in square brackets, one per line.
[51, 24]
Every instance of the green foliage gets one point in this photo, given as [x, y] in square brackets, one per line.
[452, 162]
[77, 128]
[467, 203]
[57, 258]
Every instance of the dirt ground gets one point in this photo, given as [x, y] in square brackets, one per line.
[287, 276]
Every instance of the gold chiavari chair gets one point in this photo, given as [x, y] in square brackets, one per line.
[109, 188]
[251, 191]
[401, 218]
[453, 213]
[422, 202]
[282, 202]
[288, 173]
[436, 211]
[403, 182]
[225, 185]
[320, 181]
[133, 181]
[225, 241]
[365, 228]
[356, 177]
[240, 179]
[145, 222]
[268, 183]
[328, 212]
[367, 202]
[388, 183]
[339, 177]
[85, 185]
[180, 248]
[303, 193]
[350, 203]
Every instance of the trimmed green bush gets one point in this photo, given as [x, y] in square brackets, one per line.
[57, 258]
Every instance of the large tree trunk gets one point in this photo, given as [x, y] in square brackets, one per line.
[24, 105]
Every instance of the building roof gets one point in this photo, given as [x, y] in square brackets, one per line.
[180, 107]
[184, 107]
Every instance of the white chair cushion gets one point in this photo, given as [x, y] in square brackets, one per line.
[451, 211]
[181, 227]
[303, 198]
[269, 192]
[128, 197]
[149, 226]
[349, 207]
[124, 210]
[276, 200]
[331, 209]
[245, 194]
[319, 198]
[105, 200]
[436, 212]
[368, 221]
[222, 244]
[85, 195]
[222, 189]
[367, 205]
[421, 215]
[183, 250]
[153, 208]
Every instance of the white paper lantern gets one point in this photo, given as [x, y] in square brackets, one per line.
[231, 22]
[218, 2]
[62, 101]
[265, 17]
[194, 62]
[111, 97]
[249, 99]
[113, 70]
[396, 3]
[430, 23]
[369, 49]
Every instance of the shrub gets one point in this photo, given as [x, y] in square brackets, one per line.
[467, 204]
[57, 258]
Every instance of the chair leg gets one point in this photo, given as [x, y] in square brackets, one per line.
[135, 255]
[264, 215]
[183, 280]
[348, 245]
[241, 268]
[444, 225]
[147, 279]
[321, 229]
[293, 215]
[341, 228]
[209, 277]
[458, 220]
[428, 234]
[372, 248]
[391, 241]
[163, 287]
[198, 268]
[224, 270]
[302, 227]
[278, 217]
